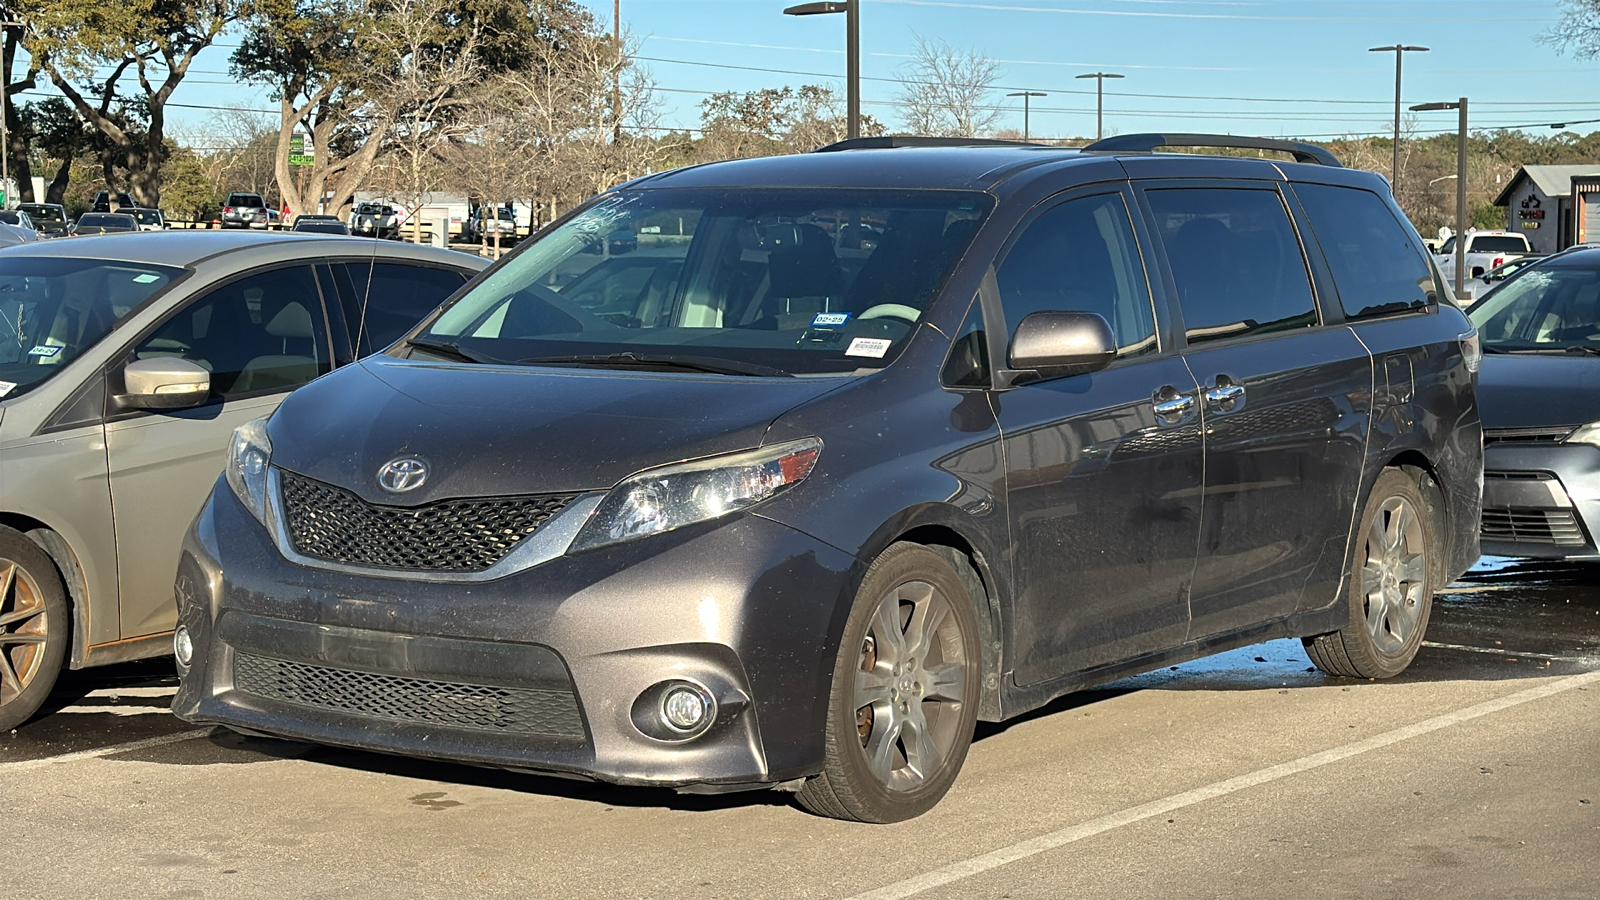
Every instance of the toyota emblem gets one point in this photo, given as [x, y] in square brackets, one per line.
[400, 475]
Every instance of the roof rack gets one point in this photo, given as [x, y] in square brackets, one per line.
[1144, 143]
[913, 140]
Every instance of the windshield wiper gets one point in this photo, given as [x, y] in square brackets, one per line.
[630, 360]
[1583, 350]
[451, 350]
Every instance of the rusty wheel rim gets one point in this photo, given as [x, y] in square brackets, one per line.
[24, 630]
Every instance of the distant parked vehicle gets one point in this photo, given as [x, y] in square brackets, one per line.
[244, 210]
[19, 224]
[1484, 249]
[102, 201]
[1479, 287]
[104, 223]
[49, 219]
[148, 219]
[485, 222]
[379, 220]
[320, 225]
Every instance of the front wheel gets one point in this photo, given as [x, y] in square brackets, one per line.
[33, 627]
[904, 699]
[1391, 587]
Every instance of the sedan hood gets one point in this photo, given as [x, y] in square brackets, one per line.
[1531, 390]
[493, 430]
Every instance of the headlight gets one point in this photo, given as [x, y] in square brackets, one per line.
[658, 500]
[1585, 434]
[249, 451]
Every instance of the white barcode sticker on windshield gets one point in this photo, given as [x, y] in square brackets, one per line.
[873, 347]
[7, 387]
[44, 350]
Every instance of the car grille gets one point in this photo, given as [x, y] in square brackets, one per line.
[1525, 435]
[453, 704]
[1532, 526]
[460, 535]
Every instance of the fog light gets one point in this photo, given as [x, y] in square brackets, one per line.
[687, 708]
[182, 646]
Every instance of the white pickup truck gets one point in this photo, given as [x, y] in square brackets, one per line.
[1485, 250]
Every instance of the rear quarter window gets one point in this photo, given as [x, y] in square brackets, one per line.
[1378, 265]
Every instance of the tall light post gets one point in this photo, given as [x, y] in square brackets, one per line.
[1399, 51]
[1025, 95]
[5, 119]
[1461, 182]
[852, 53]
[1100, 100]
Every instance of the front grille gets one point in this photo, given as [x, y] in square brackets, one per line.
[453, 704]
[1525, 435]
[1532, 526]
[461, 535]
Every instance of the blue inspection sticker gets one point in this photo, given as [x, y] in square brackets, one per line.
[830, 320]
[44, 350]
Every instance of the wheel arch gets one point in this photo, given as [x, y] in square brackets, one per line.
[70, 571]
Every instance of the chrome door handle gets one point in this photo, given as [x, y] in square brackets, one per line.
[1226, 395]
[1175, 410]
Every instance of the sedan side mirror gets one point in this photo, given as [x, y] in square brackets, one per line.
[165, 382]
[1056, 344]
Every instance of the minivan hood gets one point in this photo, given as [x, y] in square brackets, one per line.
[495, 430]
[1530, 390]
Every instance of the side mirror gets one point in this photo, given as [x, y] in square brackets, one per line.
[165, 383]
[1057, 344]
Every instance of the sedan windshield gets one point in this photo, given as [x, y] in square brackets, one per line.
[1542, 308]
[748, 281]
[51, 310]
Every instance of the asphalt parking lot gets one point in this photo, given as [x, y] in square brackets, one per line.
[1476, 774]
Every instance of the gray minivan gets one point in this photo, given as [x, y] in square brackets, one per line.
[760, 504]
[124, 366]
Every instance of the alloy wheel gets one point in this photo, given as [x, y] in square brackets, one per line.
[1395, 574]
[24, 630]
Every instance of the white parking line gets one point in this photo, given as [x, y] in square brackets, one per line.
[1497, 651]
[147, 743]
[1055, 839]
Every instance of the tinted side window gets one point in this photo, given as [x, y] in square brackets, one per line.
[390, 298]
[1236, 261]
[261, 333]
[1376, 264]
[1080, 256]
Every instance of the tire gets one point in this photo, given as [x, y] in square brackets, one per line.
[905, 692]
[1391, 585]
[33, 627]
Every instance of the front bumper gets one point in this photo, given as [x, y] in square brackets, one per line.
[541, 670]
[1541, 500]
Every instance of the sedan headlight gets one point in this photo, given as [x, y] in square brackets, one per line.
[1585, 434]
[249, 451]
[658, 500]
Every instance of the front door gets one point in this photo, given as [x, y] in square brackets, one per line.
[260, 336]
[1103, 471]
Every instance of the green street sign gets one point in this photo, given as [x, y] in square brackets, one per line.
[299, 153]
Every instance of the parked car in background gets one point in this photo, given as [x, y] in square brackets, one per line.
[102, 202]
[245, 210]
[799, 515]
[149, 219]
[319, 224]
[1540, 393]
[124, 366]
[49, 219]
[1484, 250]
[485, 222]
[374, 219]
[19, 225]
[1488, 281]
[104, 223]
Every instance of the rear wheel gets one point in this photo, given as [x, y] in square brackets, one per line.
[905, 692]
[1391, 587]
[33, 627]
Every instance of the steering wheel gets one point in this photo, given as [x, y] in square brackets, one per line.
[891, 311]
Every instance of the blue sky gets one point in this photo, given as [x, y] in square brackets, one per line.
[1272, 67]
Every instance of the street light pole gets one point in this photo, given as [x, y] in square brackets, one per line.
[1025, 95]
[1461, 182]
[1100, 100]
[1399, 51]
[852, 54]
[5, 110]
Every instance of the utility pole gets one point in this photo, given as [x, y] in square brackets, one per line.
[852, 53]
[1399, 51]
[616, 75]
[1025, 95]
[1100, 100]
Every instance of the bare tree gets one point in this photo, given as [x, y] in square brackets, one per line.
[949, 92]
[1578, 29]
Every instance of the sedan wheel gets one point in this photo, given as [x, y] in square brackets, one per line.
[905, 692]
[33, 628]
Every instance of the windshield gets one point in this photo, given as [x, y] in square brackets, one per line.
[147, 216]
[51, 310]
[42, 213]
[765, 281]
[1543, 308]
[246, 200]
[106, 220]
